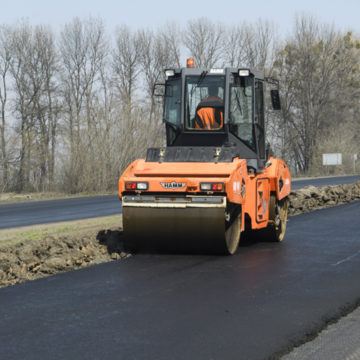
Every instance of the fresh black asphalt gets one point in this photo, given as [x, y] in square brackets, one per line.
[253, 305]
[49, 211]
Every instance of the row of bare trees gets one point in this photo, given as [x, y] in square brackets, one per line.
[319, 69]
[77, 106]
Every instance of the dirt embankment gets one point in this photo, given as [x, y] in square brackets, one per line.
[29, 259]
[313, 198]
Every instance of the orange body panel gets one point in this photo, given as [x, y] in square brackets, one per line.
[250, 191]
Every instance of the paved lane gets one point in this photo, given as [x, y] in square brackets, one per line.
[335, 180]
[161, 307]
[48, 211]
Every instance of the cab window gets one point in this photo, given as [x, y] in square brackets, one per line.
[241, 110]
[172, 105]
[204, 102]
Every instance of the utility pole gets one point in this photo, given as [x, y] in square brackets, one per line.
[354, 158]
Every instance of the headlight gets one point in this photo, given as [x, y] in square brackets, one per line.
[244, 72]
[169, 73]
[142, 185]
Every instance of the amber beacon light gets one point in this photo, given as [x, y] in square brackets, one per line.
[190, 63]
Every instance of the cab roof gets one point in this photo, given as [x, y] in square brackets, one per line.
[218, 71]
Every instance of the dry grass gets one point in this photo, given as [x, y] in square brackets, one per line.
[68, 228]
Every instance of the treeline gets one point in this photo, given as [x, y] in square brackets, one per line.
[77, 106]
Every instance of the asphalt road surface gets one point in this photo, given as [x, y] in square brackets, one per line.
[49, 211]
[253, 305]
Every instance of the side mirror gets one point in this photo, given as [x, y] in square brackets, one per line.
[275, 99]
[162, 90]
[159, 90]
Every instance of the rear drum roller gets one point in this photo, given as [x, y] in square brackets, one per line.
[278, 214]
[187, 230]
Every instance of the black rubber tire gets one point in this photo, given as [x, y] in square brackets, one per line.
[232, 236]
[278, 214]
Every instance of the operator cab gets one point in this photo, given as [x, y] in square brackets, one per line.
[219, 108]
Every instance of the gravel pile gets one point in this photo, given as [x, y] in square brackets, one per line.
[35, 259]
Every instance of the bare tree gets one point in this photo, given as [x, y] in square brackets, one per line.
[33, 72]
[171, 36]
[204, 40]
[257, 44]
[22, 53]
[234, 44]
[263, 45]
[126, 65]
[311, 66]
[5, 61]
[83, 51]
[155, 56]
[43, 74]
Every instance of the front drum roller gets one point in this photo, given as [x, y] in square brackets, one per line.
[206, 230]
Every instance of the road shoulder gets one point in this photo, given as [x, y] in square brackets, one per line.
[339, 341]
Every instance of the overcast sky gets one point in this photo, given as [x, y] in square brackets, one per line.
[344, 14]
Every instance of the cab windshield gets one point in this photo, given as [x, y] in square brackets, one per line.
[204, 102]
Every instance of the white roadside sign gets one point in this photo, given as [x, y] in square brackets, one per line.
[332, 159]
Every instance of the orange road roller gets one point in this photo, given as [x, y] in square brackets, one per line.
[215, 179]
